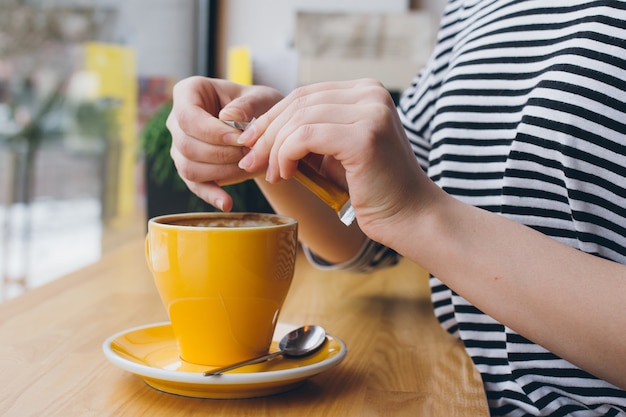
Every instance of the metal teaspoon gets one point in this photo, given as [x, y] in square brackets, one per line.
[299, 342]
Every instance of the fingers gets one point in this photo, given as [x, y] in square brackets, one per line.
[205, 180]
[302, 98]
[212, 194]
[253, 101]
[321, 120]
[306, 105]
[194, 103]
[213, 148]
[196, 131]
[204, 149]
[313, 119]
[317, 139]
[201, 171]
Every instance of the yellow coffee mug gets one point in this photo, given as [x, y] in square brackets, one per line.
[223, 278]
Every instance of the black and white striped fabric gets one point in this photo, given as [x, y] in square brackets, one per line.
[522, 111]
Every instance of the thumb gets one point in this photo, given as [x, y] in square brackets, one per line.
[234, 111]
[253, 102]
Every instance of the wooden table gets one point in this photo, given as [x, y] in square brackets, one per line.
[399, 362]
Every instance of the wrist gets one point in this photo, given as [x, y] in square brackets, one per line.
[420, 217]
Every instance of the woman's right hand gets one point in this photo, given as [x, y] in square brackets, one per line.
[204, 149]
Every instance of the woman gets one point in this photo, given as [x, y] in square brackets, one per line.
[506, 157]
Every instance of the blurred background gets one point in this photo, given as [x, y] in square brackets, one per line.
[85, 87]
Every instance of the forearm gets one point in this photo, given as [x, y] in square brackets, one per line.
[319, 226]
[570, 302]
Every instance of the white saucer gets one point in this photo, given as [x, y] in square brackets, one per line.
[150, 352]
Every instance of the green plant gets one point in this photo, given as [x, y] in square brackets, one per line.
[155, 142]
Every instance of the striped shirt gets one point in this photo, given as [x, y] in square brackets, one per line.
[521, 111]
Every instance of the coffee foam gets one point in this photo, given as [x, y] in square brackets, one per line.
[225, 220]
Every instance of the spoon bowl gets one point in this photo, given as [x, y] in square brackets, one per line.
[297, 343]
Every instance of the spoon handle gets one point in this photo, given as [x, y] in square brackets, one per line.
[258, 359]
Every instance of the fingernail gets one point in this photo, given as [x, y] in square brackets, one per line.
[219, 203]
[232, 114]
[246, 162]
[269, 175]
[247, 134]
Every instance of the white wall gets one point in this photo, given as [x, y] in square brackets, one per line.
[268, 28]
[269, 24]
[162, 33]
